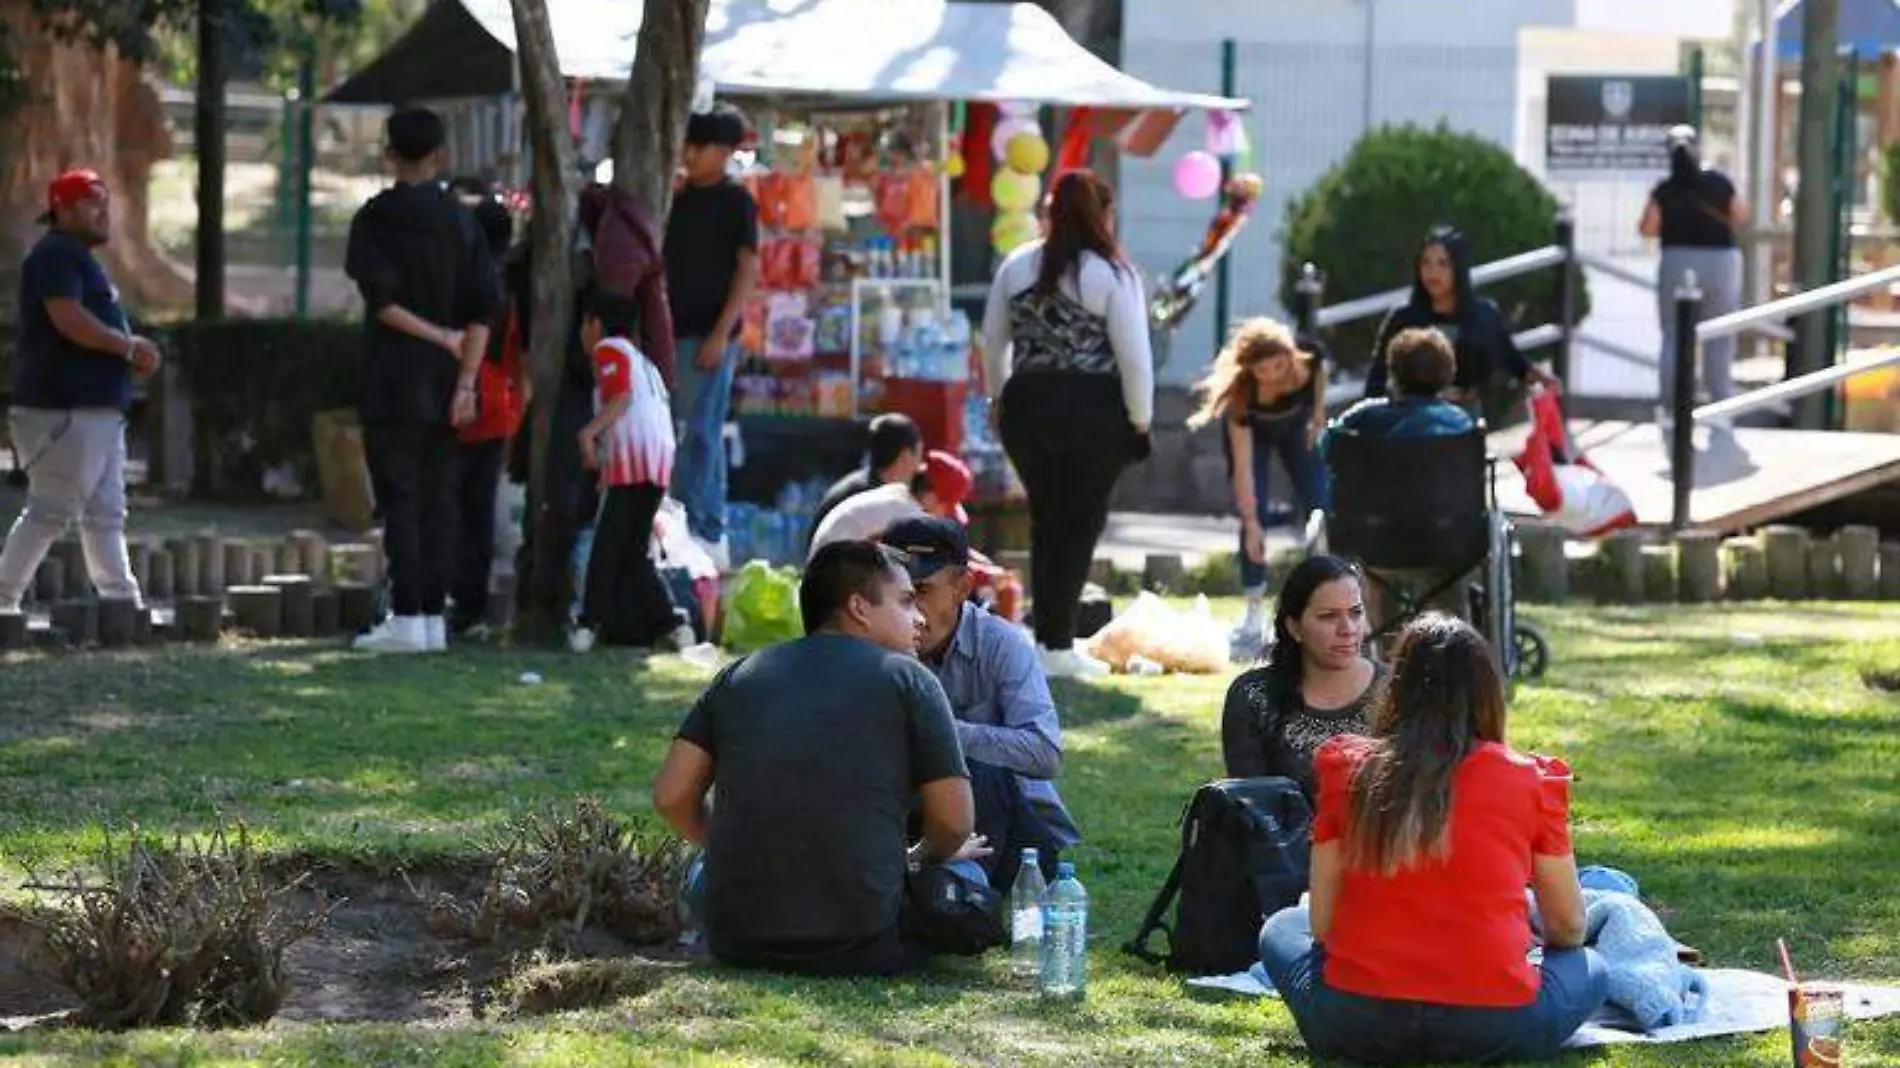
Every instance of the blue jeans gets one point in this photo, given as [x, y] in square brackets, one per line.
[1312, 489]
[701, 402]
[1365, 1030]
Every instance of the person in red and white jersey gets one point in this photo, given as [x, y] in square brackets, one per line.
[630, 443]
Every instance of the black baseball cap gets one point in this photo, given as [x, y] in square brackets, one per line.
[929, 544]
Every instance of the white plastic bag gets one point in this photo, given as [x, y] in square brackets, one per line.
[1151, 629]
[673, 546]
[1590, 505]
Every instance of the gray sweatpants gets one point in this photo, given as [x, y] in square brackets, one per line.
[1718, 274]
[75, 466]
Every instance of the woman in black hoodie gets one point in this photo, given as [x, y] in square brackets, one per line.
[1444, 299]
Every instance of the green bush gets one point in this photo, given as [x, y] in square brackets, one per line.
[254, 385]
[1362, 222]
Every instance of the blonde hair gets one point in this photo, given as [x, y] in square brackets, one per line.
[1228, 385]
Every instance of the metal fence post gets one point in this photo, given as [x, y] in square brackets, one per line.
[1682, 427]
[1566, 293]
[1309, 287]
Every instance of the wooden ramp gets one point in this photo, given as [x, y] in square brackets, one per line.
[1743, 480]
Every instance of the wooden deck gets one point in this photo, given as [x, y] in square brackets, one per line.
[1755, 476]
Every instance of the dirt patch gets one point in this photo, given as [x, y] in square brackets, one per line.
[377, 959]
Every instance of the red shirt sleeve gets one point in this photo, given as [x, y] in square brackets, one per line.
[1333, 767]
[613, 370]
[1551, 836]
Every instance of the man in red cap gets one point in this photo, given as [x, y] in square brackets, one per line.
[939, 489]
[72, 383]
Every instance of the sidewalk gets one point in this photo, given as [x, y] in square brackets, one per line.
[1131, 536]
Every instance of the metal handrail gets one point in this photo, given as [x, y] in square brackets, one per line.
[1624, 274]
[1812, 382]
[1484, 274]
[1798, 304]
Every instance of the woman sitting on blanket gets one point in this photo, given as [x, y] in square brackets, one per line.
[1317, 682]
[1425, 835]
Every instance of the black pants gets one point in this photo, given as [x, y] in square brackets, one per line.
[478, 476]
[412, 471]
[1069, 438]
[627, 603]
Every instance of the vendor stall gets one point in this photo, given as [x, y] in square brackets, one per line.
[870, 114]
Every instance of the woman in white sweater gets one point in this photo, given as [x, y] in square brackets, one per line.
[1066, 359]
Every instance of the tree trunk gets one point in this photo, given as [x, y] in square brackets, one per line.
[657, 100]
[551, 236]
[85, 108]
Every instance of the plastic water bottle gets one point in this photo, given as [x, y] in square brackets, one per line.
[1065, 937]
[1025, 919]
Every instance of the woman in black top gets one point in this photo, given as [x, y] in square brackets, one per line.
[1695, 213]
[1444, 299]
[1317, 682]
[1270, 395]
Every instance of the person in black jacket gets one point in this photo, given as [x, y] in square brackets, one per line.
[1444, 299]
[429, 292]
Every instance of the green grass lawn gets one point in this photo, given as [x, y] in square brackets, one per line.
[1730, 758]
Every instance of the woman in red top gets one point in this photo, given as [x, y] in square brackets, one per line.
[1414, 947]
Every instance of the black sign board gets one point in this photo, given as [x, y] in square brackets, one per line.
[1605, 124]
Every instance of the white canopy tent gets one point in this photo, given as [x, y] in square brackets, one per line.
[865, 49]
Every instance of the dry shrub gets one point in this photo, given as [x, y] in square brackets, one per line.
[558, 874]
[175, 934]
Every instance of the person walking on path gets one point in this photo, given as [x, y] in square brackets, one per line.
[429, 292]
[1695, 214]
[72, 383]
[1270, 397]
[712, 264]
[1067, 359]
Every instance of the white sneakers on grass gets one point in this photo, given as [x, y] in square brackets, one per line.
[406, 634]
[395, 635]
[1071, 663]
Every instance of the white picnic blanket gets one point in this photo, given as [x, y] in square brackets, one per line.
[1740, 1002]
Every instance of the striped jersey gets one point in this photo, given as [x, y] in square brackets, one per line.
[637, 450]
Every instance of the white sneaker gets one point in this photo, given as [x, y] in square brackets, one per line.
[580, 640]
[397, 634]
[435, 633]
[679, 639]
[1072, 663]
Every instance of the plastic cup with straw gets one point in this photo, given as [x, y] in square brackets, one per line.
[1815, 1018]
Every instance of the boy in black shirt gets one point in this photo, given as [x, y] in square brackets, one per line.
[712, 242]
[429, 292]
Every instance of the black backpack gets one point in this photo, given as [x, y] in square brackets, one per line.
[1245, 847]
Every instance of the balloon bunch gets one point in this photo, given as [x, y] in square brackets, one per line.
[1024, 154]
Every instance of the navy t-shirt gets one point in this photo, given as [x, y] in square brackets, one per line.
[49, 370]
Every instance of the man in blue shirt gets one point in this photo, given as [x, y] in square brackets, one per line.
[1005, 717]
[72, 383]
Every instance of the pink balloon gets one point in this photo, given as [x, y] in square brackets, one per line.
[1197, 175]
[1008, 128]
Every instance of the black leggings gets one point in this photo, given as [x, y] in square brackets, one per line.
[1069, 438]
[412, 470]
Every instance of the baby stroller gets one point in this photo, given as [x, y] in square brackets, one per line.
[1421, 515]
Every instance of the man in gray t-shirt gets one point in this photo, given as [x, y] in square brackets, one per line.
[816, 748]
